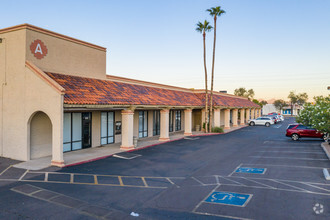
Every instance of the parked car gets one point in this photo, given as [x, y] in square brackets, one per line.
[273, 113]
[267, 121]
[281, 117]
[273, 117]
[297, 131]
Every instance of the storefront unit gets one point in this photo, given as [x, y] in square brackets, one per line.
[56, 98]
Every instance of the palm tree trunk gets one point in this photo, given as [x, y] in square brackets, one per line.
[212, 79]
[206, 95]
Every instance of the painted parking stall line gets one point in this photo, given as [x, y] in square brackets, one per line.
[229, 198]
[251, 170]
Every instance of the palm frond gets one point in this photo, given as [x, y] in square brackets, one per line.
[216, 11]
[205, 26]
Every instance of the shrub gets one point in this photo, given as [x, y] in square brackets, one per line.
[217, 130]
[204, 125]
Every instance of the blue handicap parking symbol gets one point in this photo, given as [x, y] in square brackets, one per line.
[229, 198]
[251, 170]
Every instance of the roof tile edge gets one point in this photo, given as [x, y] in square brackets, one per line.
[221, 94]
[146, 83]
[51, 33]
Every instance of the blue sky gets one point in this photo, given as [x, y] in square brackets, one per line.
[272, 46]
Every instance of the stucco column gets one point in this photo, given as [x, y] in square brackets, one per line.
[216, 117]
[227, 118]
[256, 113]
[164, 125]
[235, 116]
[187, 122]
[57, 142]
[247, 115]
[252, 114]
[127, 117]
[259, 113]
[242, 116]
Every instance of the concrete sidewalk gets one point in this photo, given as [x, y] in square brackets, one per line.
[90, 154]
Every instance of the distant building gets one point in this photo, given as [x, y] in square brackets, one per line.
[269, 108]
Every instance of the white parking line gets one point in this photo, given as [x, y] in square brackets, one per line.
[223, 216]
[290, 185]
[276, 165]
[316, 187]
[305, 152]
[235, 169]
[259, 183]
[203, 184]
[290, 158]
[290, 147]
[197, 206]
[5, 170]
[23, 175]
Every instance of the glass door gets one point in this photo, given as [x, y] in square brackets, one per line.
[86, 129]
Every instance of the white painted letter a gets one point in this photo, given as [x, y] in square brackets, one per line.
[38, 49]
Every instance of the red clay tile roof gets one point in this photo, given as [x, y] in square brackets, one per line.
[227, 101]
[82, 90]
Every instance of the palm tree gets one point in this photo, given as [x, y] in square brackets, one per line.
[215, 12]
[202, 28]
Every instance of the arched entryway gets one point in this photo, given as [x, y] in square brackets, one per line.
[40, 135]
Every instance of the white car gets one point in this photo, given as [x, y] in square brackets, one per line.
[281, 117]
[261, 121]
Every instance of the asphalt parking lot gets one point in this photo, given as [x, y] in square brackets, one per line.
[252, 173]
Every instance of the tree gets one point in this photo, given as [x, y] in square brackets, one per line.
[299, 99]
[262, 103]
[202, 28]
[317, 116]
[280, 104]
[215, 12]
[245, 93]
[302, 98]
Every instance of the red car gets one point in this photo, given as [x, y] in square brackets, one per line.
[296, 131]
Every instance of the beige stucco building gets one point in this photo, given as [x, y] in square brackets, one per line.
[56, 97]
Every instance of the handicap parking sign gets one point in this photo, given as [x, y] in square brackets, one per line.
[251, 170]
[229, 198]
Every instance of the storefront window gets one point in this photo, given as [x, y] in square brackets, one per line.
[107, 127]
[143, 124]
[73, 131]
[178, 120]
[156, 122]
[171, 117]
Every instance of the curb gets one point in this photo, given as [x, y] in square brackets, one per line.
[152, 145]
[323, 145]
[326, 174]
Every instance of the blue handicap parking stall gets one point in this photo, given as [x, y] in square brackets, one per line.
[229, 198]
[251, 170]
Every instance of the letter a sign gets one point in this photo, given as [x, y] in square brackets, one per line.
[38, 49]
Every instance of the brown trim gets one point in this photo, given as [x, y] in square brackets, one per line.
[44, 77]
[51, 33]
